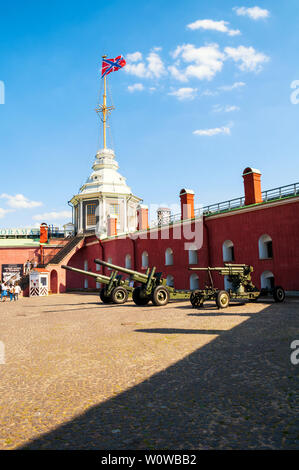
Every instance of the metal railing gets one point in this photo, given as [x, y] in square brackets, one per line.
[281, 192]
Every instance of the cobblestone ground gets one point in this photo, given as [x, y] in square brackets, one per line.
[82, 375]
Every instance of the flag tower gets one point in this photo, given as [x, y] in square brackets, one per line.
[105, 201]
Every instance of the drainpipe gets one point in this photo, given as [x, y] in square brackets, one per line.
[103, 255]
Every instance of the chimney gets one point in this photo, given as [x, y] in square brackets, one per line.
[43, 237]
[111, 225]
[252, 186]
[187, 204]
[142, 217]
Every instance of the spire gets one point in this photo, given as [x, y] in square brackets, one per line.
[104, 109]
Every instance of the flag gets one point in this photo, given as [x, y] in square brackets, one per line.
[112, 65]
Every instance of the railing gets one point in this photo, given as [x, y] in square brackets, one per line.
[270, 195]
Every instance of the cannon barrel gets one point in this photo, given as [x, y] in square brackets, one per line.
[100, 277]
[228, 269]
[135, 275]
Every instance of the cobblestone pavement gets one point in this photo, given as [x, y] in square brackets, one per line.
[83, 375]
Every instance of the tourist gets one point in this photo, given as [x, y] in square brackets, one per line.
[3, 292]
[11, 291]
[18, 290]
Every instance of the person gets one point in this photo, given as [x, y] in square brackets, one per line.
[3, 292]
[11, 291]
[18, 290]
[27, 267]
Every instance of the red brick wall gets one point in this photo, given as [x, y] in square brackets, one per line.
[243, 228]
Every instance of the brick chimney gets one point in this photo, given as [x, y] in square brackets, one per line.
[187, 204]
[142, 217]
[111, 225]
[252, 186]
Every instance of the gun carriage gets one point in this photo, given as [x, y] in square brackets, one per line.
[241, 287]
[153, 287]
[116, 290]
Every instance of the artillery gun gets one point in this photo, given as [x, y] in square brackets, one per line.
[153, 286]
[116, 289]
[241, 287]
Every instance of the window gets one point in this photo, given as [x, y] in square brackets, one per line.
[194, 282]
[144, 259]
[128, 261]
[267, 280]
[85, 283]
[170, 280]
[114, 209]
[109, 260]
[228, 251]
[86, 265]
[265, 247]
[169, 257]
[98, 285]
[90, 214]
[193, 257]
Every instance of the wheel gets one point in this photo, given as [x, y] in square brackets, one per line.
[160, 296]
[119, 295]
[279, 294]
[222, 299]
[139, 297]
[196, 299]
[106, 299]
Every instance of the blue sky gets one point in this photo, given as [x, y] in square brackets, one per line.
[205, 93]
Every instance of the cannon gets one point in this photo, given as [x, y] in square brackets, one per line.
[241, 287]
[116, 289]
[153, 286]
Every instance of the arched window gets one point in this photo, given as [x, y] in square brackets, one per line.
[86, 265]
[170, 280]
[128, 263]
[193, 255]
[194, 282]
[227, 285]
[228, 251]
[265, 247]
[267, 280]
[169, 257]
[85, 283]
[144, 259]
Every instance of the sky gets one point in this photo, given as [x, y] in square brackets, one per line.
[210, 88]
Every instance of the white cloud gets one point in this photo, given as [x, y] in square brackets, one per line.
[184, 93]
[248, 57]
[225, 130]
[225, 109]
[49, 216]
[3, 212]
[255, 13]
[231, 87]
[204, 61]
[154, 68]
[177, 74]
[134, 57]
[135, 87]
[212, 25]
[19, 201]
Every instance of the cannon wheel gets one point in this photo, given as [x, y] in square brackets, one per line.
[279, 294]
[139, 298]
[222, 299]
[119, 295]
[160, 296]
[106, 299]
[196, 299]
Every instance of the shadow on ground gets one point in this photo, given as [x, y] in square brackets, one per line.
[236, 392]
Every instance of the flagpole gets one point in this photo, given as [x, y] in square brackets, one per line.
[104, 109]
